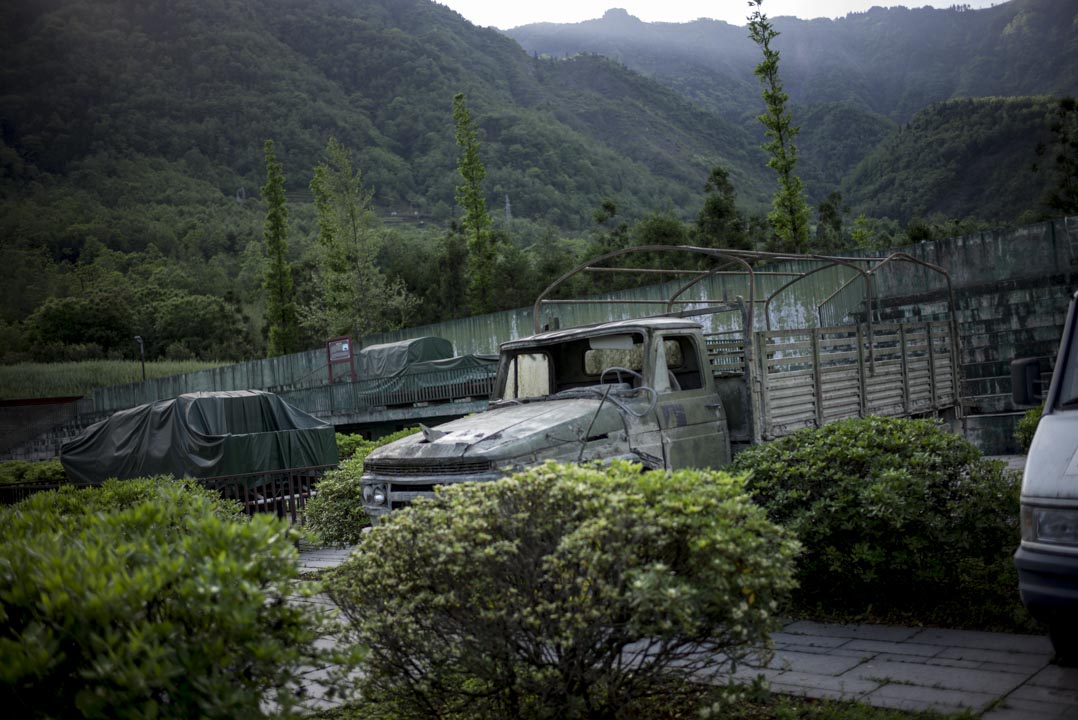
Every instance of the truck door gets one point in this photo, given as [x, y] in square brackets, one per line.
[691, 418]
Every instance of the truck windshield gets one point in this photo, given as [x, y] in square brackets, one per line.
[528, 377]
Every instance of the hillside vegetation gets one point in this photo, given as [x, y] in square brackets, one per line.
[132, 135]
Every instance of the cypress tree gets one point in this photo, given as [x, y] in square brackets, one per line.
[790, 213]
[280, 292]
[482, 255]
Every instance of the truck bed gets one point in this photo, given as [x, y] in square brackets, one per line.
[810, 377]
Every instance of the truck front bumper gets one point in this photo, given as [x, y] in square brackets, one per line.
[399, 492]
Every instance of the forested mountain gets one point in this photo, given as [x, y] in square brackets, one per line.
[205, 82]
[856, 80]
[132, 146]
[955, 156]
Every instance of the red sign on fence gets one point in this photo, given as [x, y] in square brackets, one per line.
[338, 354]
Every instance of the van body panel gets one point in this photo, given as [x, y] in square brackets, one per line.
[1047, 558]
[1052, 464]
[1048, 582]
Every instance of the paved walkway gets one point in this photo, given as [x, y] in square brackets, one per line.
[996, 676]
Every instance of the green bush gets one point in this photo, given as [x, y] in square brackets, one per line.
[561, 592]
[335, 516]
[1027, 427]
[147, 598]
[17, 471]
[897, 517]
[349, 445]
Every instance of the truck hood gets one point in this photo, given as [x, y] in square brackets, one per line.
[511, 431]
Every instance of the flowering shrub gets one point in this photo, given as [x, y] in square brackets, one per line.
[561, 592]
[895, 515]
[147, 598]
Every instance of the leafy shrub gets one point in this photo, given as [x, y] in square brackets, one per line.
[147, 598]
[1027, 427]
[896, 517]
[349, 445]
[335, 516]
[17, 471]
[561, 592]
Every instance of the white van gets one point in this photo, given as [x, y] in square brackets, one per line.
[1047, 559]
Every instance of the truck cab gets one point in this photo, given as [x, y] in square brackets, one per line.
[638, 389]
[1047, 559]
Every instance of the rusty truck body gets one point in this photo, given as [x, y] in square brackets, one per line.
[667, 392]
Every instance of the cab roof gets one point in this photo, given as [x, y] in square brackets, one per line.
[610, 328]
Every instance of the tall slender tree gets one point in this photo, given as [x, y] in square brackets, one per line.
[280, 293]
[790, 213]
[354, 297]
[482, 253]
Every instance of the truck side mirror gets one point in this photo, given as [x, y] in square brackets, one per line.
[1026, 389]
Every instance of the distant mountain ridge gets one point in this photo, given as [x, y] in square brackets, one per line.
[891, 61]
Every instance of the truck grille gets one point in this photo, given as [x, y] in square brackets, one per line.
[442, 467]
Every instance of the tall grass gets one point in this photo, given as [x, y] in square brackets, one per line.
[66, 379]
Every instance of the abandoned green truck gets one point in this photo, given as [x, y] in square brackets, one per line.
[663, 392]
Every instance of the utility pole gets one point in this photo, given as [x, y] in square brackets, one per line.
[142, 355]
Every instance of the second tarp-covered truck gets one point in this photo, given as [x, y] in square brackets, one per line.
[664, 392]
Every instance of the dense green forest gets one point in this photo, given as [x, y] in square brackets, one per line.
[132, 158]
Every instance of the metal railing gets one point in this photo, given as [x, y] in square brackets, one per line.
[282, 492]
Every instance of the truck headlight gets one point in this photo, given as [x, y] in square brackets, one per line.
[1055, 526]
[374, 494]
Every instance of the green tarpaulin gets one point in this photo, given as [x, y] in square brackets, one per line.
[378, 361]
[201, 435]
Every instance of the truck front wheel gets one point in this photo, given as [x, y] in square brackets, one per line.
[1064, 637]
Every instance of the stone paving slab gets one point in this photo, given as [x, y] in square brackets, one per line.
[1018, 708]
[886, 633]
[1064, 680]
[894, 648]
[820, 641]
[814, 663]
[941, 664]
[993, 657]
[1004, 642]
[850, 688]
[1035, 693]
[934, 676]
[915, 697]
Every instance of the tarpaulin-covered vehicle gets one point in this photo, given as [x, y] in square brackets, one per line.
[249, 444]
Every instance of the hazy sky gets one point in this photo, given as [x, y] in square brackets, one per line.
[506, 14]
